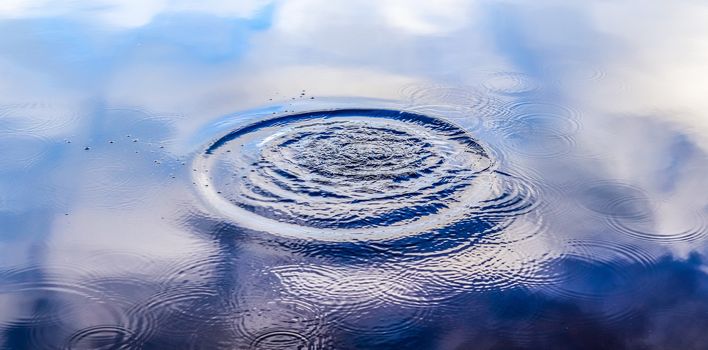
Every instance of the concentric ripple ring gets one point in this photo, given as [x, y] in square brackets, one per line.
[346, 174]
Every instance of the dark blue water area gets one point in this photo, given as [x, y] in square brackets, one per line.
[353, 175]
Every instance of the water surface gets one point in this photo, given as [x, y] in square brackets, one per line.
[353, 175]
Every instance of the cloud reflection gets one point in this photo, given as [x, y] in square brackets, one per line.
[597, 108]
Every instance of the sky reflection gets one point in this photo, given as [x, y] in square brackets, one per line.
[595, 236]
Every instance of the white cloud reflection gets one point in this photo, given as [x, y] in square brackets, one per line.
[635, 71]
[126, 13]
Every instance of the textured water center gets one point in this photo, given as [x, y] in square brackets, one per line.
[343, 174]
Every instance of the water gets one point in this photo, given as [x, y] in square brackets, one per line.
[353, 175]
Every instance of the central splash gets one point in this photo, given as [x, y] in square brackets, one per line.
[346, 174]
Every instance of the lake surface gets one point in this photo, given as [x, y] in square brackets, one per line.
[315, 174]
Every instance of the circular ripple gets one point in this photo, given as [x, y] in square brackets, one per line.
[36, 118]
[616, 199]
[573, 72]
[175, 313]
[51, 305]
[379, 300]
[262, 322]
[103, 337]
[486, 267]
[692, 226]
[544, 117]
[272, 324]
[281, 340]
[630, 210]
[511, 83]
[68, 298]
[538, 129]
[347, 174]
[464, 104]
[604, 277]
[22, 151]
[339, 286]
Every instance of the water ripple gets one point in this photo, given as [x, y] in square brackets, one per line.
[401, 211]
[690, 226]
[279, 324]
[511, 83]
[36, 118]
[630, 210]
[345, 175]
[21, 152]
[103, 337]
[538, 129]
[466, 104]
[615, 199]
[355, 297]
[593, 271]
[566, 73]
[51, 305]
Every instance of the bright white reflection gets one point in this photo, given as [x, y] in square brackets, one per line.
[127, 13]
